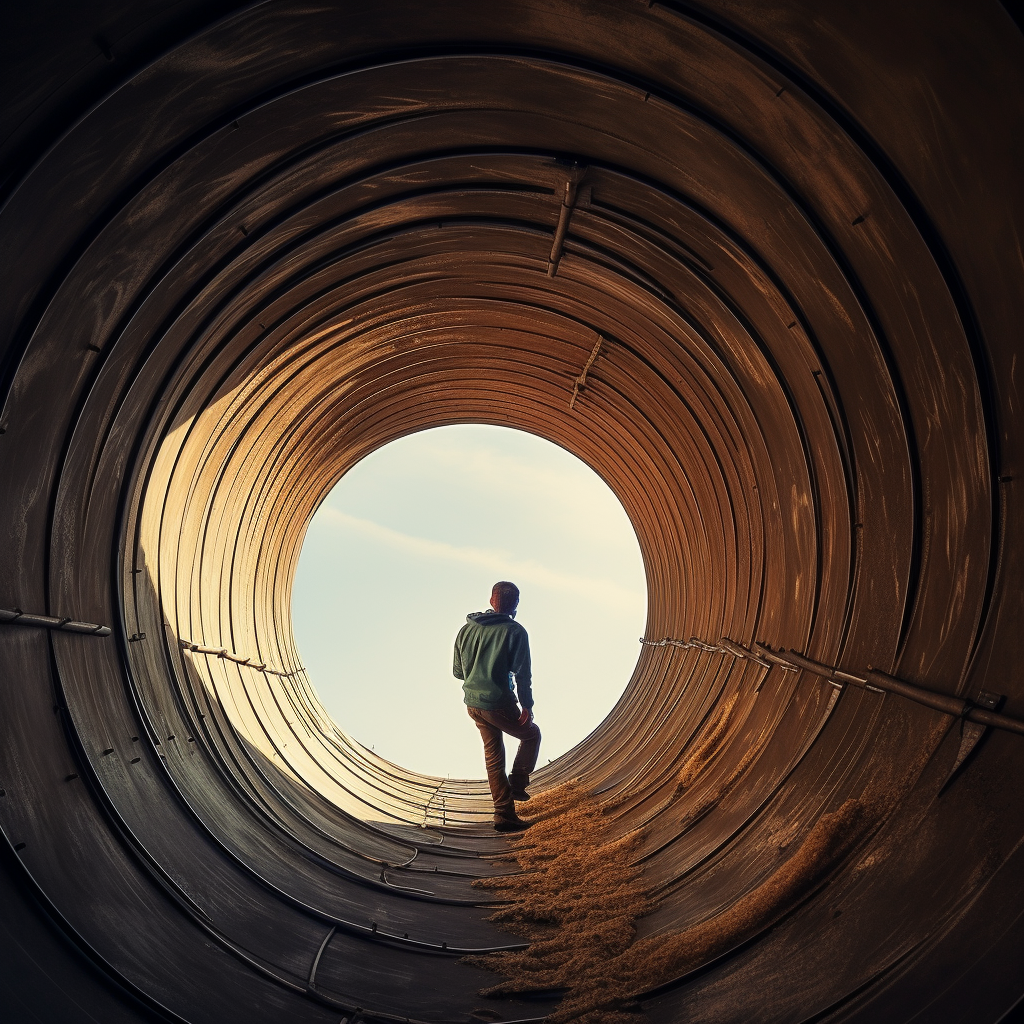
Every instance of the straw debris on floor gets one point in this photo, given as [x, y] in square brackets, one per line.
[695, 764]
[724, 788]
[579, 895]
[577, 900]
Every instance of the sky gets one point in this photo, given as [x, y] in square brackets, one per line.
[412, 538]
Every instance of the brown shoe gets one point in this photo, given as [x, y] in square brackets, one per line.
[518, 786]
[511, 825]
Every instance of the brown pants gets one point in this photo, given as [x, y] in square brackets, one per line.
[491, 725]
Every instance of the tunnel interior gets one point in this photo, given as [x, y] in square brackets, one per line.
[757, 266]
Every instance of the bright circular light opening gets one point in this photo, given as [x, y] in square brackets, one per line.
[412, 538]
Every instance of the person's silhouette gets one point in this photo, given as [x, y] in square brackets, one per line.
[492, 658]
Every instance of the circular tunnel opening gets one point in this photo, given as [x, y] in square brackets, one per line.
[410, 540]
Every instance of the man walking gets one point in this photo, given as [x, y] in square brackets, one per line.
[492, 651]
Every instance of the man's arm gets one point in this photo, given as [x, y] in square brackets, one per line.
[457, 669]
[519, 663]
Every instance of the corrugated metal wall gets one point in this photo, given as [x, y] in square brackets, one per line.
[244, 247]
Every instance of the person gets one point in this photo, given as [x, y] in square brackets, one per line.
[492, 658]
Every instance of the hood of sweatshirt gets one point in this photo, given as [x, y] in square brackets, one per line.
[488, 618]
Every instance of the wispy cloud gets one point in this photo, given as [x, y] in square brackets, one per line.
[605, 592]
[496, 460]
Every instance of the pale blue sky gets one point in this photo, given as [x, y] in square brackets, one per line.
[413, 537]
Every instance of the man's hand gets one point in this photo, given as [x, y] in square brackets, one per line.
[526, 716]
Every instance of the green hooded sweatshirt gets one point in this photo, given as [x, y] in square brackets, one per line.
[490, 650]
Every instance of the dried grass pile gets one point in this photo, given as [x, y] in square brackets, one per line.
[654, 961]
[577, 901]
[579, 897]
[702, 756]
[697, 810]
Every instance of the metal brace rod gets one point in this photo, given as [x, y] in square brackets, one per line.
[740, 651]
[16, 617]
[882, 682]
[666, 642]
[877, 682]
[223, 652]
[319, 953]
[776, 659]
[564, 213]
[836, 676]
[581, 380]
[724, 646]
[702, 646]
[956, 706]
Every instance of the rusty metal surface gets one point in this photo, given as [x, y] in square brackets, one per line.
[758, 265]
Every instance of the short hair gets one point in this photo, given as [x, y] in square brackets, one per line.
[504, 597]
